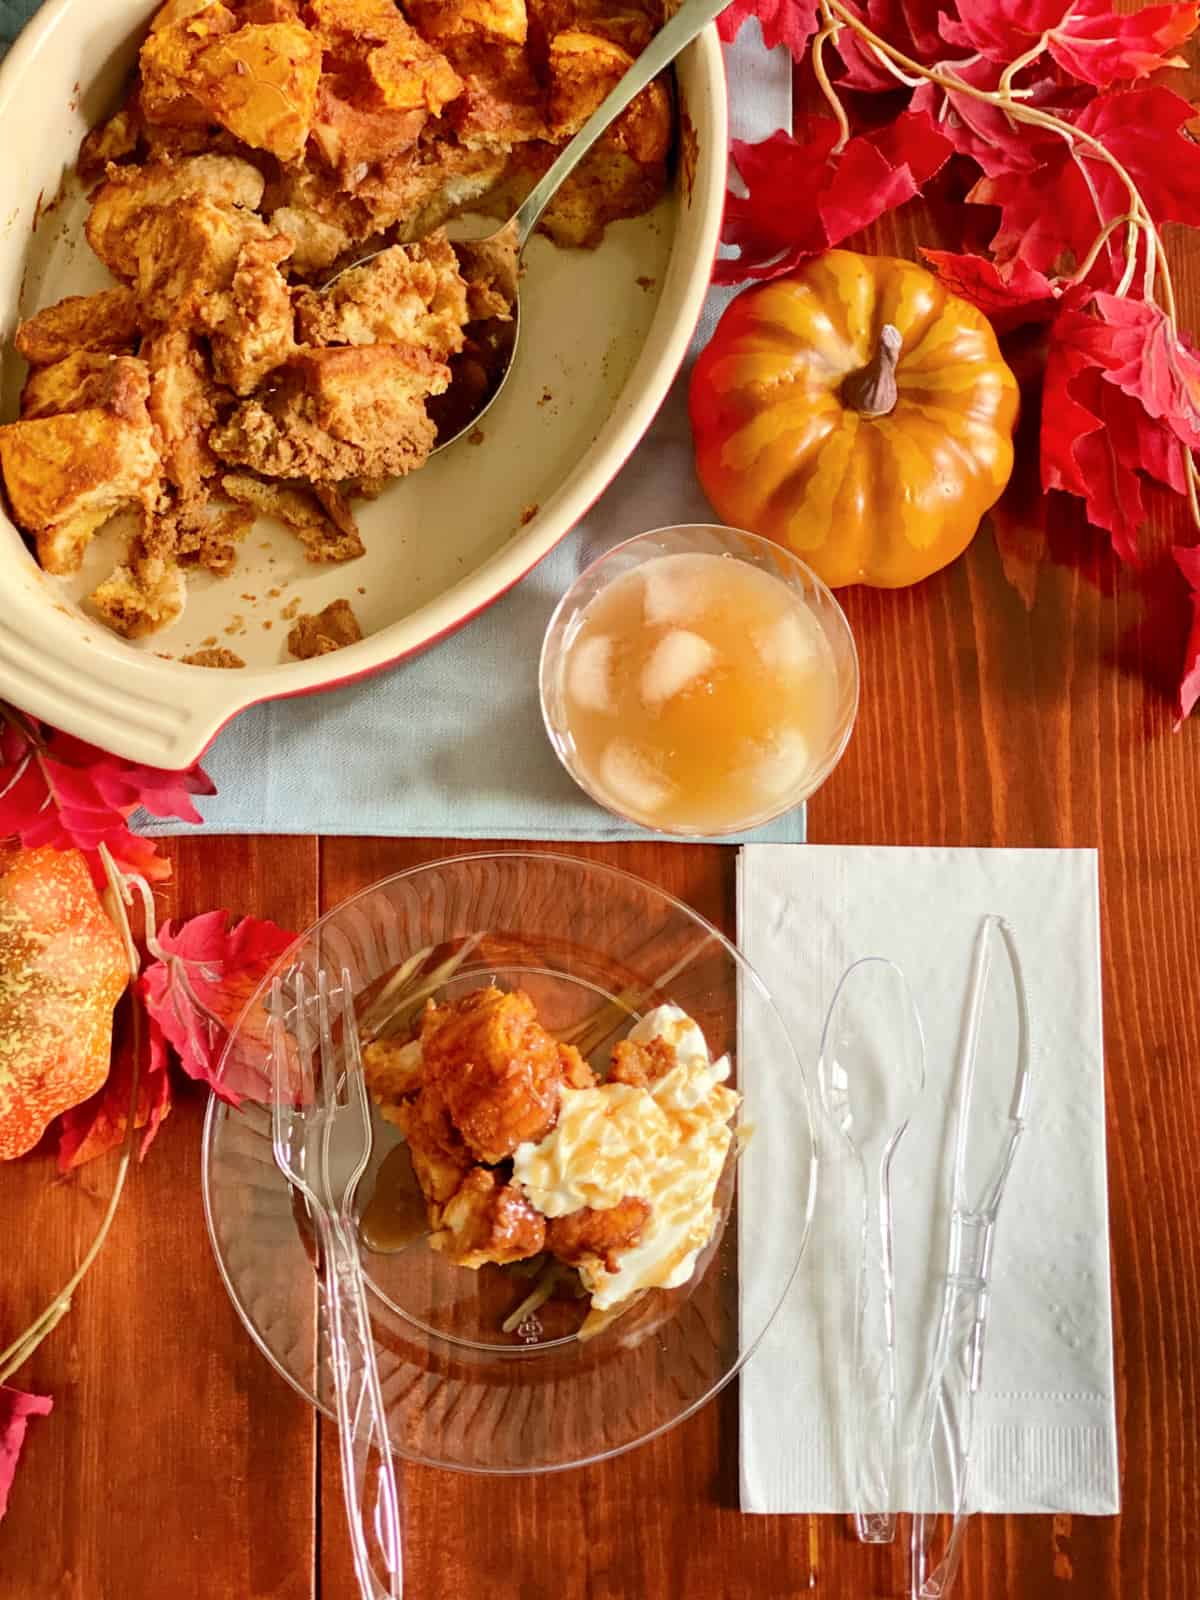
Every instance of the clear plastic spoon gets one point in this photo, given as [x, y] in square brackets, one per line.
[872, 1073]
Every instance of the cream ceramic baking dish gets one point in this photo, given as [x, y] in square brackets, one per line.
[603, 334]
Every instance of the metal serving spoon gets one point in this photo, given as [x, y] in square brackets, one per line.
[507, 242]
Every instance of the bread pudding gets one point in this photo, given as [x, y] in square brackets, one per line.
[520, 1151]
[263, 145]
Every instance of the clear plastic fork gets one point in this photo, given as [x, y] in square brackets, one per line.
[306, 1103]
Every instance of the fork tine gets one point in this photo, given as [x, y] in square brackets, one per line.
[275, 1032]
[325, 1029]
[356, 1088]
[282, 1092]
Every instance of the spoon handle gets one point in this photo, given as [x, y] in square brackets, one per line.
[691, 18]
[875, 1453]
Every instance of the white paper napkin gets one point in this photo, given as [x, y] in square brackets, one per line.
[1046, 1424]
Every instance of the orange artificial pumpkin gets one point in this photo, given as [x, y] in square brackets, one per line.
[857, 413]
[62, 970]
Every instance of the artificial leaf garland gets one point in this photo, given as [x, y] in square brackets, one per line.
[1078, 164]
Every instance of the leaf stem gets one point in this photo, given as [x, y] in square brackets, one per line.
[1004, 87]
[830, 29]
[24, 1345]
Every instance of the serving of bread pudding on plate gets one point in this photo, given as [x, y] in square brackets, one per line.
[263, 146]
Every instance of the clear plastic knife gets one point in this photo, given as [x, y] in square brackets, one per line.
[986, 1140]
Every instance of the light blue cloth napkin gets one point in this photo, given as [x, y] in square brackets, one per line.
[452, 743]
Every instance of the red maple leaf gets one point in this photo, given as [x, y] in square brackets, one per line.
[996, 142]
[1085, 37]
[99, 1124]
[912, 26]
[1121, 396]
[57, 790]
[789, 22]
[1188, 562]
[1140, 352]
[841, 193]
[1008, 297]
[198, 991]
[1050, 219]
[16, 1408]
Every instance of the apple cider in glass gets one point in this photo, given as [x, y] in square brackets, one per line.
[700, 693]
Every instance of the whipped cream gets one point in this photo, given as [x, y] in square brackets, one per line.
[666, 1144]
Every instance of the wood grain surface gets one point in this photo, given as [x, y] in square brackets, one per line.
[176, 1464]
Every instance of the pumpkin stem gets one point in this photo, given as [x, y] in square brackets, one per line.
[872, 390]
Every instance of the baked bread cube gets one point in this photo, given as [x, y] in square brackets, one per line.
[381, 84]
[483, 21]
[110, 141]
[104, 321]
[488, 1220]
[320, 218]
[190, 534]
[220, 179]
[179, 32]
[503, 103]
[186, 256]
[86, 379]
[324, 524]
[623, 175]
[490, 269]
[253, 324]
[261, 84]
[631, 26]
[405, 74]
[409, 294]
[183, 407]
[68, 474]
[259, 80]
[583, 68]
[418, 191]
[351, 137]
[135, 604]
[354, 411]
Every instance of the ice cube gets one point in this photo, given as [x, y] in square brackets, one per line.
[671, 591]
[780, 764]
[676, 661]
[633, 781]
[589, 673]
[788, 645]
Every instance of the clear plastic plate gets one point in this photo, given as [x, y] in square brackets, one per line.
[460, 1392]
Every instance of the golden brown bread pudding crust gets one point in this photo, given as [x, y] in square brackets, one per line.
[261, 142]
[480, 1077]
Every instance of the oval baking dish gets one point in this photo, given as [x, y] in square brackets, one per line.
[441, 544]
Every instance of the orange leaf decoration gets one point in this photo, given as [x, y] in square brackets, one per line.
[62, 970]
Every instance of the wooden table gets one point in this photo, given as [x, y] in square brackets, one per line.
[176, 1463]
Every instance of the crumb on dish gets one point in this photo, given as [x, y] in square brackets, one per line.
[319, 633]
[213, 657]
